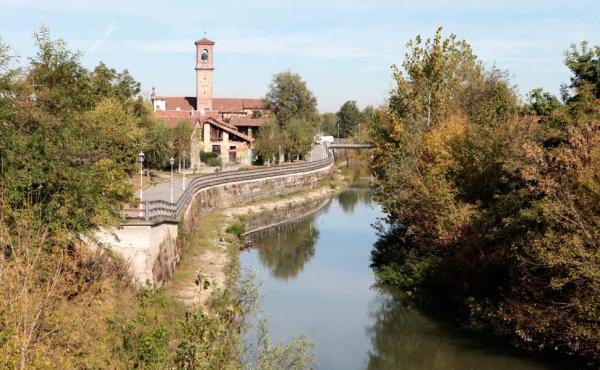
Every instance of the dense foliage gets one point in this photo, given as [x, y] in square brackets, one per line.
[290, 131]
[493, 208]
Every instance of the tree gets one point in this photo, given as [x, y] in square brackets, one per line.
[328, 124]
[158, 149]
[298, 138]
[289, 97]
[367, 116]
[268, 141]
[348, 118]
[180, 137]
[491, 214]
[541, 103]
[434, 72]
[584, 63]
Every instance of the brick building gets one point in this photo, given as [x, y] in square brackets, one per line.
[220, 125]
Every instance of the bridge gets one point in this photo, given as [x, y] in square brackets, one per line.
[342, 145]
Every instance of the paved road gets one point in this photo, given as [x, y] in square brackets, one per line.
[162, 191]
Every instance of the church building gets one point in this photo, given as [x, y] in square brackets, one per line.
[225, 126]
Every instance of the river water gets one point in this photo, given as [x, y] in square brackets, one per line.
[316, 281]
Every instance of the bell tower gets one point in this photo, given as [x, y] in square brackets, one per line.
[204, 74]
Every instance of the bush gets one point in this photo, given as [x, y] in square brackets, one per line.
[236, 229]
[210, 159]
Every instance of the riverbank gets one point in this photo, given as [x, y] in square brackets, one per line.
[210, 252]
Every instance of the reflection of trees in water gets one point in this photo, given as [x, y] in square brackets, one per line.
[286, 250]
[402, 338]
[350, 198]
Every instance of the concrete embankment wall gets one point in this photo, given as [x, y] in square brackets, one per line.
[153, 249]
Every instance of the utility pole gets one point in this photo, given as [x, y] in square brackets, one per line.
[183, 173]
[172, 162]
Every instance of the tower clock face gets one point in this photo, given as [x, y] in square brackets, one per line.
[204, 56]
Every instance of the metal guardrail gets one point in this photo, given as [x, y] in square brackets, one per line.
[160, 210]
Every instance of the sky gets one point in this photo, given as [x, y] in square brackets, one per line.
[343, 49]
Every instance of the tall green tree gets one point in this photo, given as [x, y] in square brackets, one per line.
[541, 103]
[158, 148]
[60, 156]
[328, 124]
[181, 136]
[431, 78]
[298, 138]
[268, 141]
[348, 118]
[289, 97]
[584, 63]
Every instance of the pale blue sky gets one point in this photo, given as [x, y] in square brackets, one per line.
[343, 49]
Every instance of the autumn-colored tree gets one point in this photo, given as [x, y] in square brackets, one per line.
[490, 213]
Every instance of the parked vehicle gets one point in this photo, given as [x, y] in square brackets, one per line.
[324, 139]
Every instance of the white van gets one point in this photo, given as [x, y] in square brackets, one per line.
[324, 139]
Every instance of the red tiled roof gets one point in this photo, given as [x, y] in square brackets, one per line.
[246, 121]
[187, 103]
[226, 127]
[237, 104]
[182, 102]
[173, 118]
[204, 41]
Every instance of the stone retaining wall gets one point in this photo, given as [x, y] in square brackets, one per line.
[153, 250]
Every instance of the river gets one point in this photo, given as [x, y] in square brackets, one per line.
[316, 281]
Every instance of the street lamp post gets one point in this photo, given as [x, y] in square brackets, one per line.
[183, 177]
[172, 162]
[141, 157]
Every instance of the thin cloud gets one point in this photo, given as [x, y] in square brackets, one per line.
[328, 44]
[107, 32]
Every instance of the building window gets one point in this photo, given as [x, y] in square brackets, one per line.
[216, 149]
[216, 134]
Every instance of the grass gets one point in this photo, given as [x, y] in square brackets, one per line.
[236, 228]
[206, 232]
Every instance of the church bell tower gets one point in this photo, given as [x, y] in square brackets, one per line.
[204, 74]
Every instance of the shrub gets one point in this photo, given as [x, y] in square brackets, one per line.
[210, 159]
[236, 229]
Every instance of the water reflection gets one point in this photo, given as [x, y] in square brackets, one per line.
[285, 253]
[317, 281]
[403, 338]
[349, 199]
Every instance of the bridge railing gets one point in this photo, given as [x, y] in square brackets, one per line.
[156, 210]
